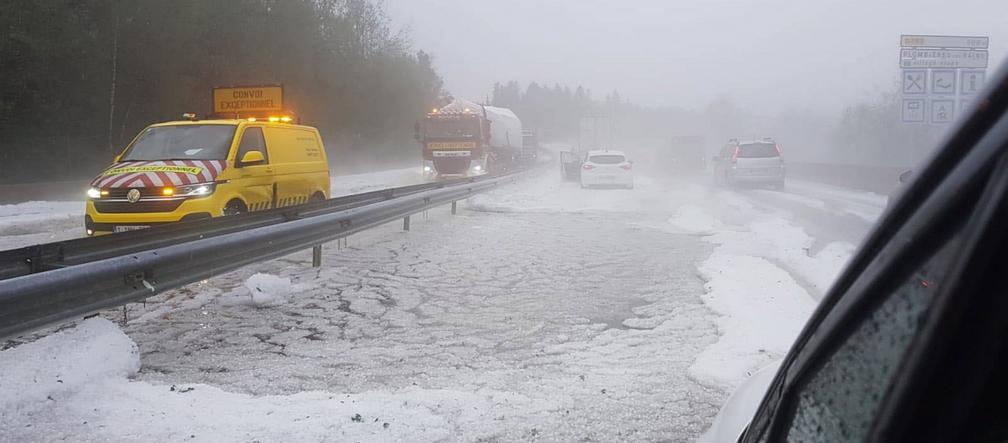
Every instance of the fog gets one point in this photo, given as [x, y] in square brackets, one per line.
[767, 56]
[465, 220]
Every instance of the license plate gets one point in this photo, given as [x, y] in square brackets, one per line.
[607, 178]
[128, 228]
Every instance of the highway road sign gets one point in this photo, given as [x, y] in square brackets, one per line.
[913, 110]
[965, 105]
[940, 76]
[914, 81]
[972, 81]
[942, 111]
[944, 41]
[943, 58]
[943, 81]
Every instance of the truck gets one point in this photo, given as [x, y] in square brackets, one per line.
[530, 147]
[686, 154]
[595, 133]
[465, 138]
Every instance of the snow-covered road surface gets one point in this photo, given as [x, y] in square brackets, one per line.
[541, 312]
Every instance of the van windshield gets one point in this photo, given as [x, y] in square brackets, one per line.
[183, 142]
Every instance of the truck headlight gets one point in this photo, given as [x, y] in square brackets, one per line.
[198, 190]
[477, 168]
[94, 193]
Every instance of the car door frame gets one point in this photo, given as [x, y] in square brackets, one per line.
[955, 171]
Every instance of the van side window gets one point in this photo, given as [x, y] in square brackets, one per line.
[252, 140]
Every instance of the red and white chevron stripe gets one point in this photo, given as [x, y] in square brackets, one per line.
[209, 170]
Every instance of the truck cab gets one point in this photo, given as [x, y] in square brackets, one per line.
[465, 138]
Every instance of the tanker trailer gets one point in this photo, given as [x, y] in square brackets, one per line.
[465, 138]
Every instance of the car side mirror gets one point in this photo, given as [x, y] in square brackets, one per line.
[251, 158]
[905, 176]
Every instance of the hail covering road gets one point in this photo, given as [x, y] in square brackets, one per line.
[541, 311]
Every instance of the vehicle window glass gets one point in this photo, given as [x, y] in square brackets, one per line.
[452, 127]
[609, 159]
[182, 142]
[758, 150]
[252, 140]
[840, 401]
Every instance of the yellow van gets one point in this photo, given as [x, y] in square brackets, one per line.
[185, 170]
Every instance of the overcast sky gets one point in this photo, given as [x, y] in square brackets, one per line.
[767, 56]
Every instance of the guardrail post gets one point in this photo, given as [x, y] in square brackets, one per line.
[316, 256]
[405, 223]
[454, 208]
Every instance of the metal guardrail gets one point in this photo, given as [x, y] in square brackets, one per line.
[47, 284]
[45, 257]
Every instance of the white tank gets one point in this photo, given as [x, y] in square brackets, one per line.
[505, 127]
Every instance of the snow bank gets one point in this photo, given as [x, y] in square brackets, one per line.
[39, 210]
[761, 279]
[761, 310]
[260, 290]
[60, 364]
[777, 239]
[75, 385]
[266, 289]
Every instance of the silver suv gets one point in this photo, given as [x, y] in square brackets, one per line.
[750, 162]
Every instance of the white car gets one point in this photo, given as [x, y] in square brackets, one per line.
[750, 162]
[909, 344]
[607, 168]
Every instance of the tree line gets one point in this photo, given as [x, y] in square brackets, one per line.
[862, 133]
[555, 112]
[81, 77]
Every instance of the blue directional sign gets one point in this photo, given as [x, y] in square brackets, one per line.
[972, 81]
[914, 81]
[942, 111]
[965, 106]
[943, 81]
[940, 76]
[913, 110]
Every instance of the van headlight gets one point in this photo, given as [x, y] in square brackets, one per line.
[198, 190]
[94, 193]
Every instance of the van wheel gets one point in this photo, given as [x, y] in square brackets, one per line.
[316, 197]
[235, 207]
